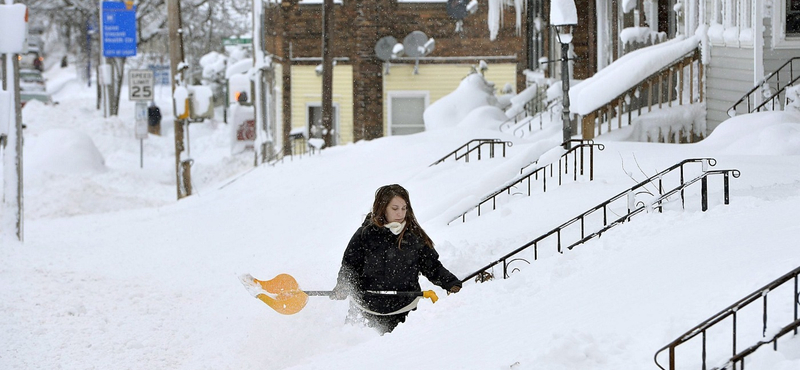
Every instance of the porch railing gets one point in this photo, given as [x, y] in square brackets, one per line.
[298, 147]
[770, 88]
[578, 154]
[630, 207]
[664, 87]
[474, 147]
[733, 312]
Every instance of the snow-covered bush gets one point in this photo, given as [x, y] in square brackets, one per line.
[63, 151]
[473, 92]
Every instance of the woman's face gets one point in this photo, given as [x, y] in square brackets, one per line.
[396, 210]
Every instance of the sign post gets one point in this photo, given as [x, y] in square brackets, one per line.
[140, 90]
[14, 23]
[140, 128]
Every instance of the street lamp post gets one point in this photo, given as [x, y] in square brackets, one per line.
[563, 16]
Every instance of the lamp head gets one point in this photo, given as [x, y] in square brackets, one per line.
[563, 12]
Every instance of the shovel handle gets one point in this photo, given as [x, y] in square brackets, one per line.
[318, 293]
[425, 294]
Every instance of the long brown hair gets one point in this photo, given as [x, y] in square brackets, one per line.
[383, 196]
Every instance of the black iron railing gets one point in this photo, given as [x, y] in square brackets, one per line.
[476, 147]
[770, 88]
[522, 130]
[299, 147]
[653, 186]
[537, 104]
[578, 165]
[734, 312]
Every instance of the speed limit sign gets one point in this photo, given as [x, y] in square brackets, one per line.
[140, 84]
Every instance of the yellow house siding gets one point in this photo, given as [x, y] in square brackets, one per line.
[307, 89]
[438, 80]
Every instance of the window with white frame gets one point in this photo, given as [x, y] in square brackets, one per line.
[792, 18]
[786, 24]
[405, 112]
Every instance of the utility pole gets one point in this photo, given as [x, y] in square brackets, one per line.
[327, 72]
[183, 178]
[11, 203]
[263, 88]
[103, 74]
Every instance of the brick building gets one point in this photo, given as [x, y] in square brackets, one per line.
[373, 99]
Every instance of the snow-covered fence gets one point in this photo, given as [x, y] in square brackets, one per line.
[768, 94]
[773, 327]
[635, 38]
[673, 84]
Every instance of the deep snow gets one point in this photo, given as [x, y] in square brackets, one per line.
[115, 273]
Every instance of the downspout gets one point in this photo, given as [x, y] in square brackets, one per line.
[758, 47]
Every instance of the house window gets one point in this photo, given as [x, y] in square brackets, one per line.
[793, 18]
[786, 24]
[405, 112]
[314, 124]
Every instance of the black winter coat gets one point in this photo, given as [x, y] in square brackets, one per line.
[373, 261]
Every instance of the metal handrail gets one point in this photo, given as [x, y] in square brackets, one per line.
[481, 143]
[739, 358]
[731, 311]
[298, 146]
[577, 150]
[549, 109]
[633, 209]
[532, 107]
[732, 111]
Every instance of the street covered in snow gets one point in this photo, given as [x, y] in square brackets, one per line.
[115, 273]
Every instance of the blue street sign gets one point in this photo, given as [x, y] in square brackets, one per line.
[119, 30]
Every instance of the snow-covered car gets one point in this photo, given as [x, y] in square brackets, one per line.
[32, 87]
[31, 78]
[32, 59]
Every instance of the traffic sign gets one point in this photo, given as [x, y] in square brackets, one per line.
[237, 41]
[140, 84]
[119, 30]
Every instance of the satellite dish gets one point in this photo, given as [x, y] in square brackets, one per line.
[457, 9]
[384, 48]
[414, 44]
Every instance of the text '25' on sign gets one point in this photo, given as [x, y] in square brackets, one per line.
[140, 83]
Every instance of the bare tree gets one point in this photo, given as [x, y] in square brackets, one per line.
[205, 22]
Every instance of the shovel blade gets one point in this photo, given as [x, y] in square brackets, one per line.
[279, 284]
[287, 303]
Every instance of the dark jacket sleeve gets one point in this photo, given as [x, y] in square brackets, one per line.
[434, 271]
[352, 264]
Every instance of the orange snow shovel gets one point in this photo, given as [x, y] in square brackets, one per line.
[284, 295]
